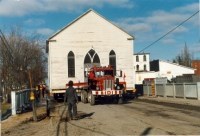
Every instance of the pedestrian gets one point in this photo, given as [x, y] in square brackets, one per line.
[71, 99]
[43, 89]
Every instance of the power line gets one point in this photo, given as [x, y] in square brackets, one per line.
[169, 31]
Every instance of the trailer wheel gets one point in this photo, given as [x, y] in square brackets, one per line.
[84, 96]
[91, 98]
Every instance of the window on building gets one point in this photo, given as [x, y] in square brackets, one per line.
[71, 64]
[92, 57]
[144, 58]
[112, 60]
[145, 68]
[87, 59]
[96, 59]
[137, 67]
[137, 58]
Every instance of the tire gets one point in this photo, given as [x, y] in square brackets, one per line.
[83, 96]
[91, 98]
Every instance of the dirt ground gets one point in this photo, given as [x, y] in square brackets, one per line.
[136, 117]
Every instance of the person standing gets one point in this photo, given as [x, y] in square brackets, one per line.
[71, 99]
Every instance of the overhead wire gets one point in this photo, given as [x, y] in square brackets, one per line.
[169, 32]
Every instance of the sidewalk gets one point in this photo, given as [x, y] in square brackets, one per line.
[170, 100]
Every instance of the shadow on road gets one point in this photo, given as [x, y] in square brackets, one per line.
[146, 131]
[85, 115]
[60, 121]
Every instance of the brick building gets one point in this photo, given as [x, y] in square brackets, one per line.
[196, 65]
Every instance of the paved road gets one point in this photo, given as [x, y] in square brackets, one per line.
[137, 117]
[134, 118]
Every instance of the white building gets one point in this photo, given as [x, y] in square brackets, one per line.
[89, 40]
[169, 70]
[141, 62]
[160, 69]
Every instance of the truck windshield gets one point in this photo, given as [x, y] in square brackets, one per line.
[108, 72]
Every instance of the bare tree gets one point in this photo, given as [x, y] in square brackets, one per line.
[184, 58]
[17, 53]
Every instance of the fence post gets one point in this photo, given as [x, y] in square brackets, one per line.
[164, 89]
[184, 91]
[13, 101]
[198, 90]
[174, 90]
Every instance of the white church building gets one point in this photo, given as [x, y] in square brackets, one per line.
[87, 41]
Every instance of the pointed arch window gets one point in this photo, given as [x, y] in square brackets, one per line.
[112, 60]
[96, 59]
[91, 57]
[71, 64]
[87, 59]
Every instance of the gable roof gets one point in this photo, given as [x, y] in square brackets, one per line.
[177, 64]
[90, 10]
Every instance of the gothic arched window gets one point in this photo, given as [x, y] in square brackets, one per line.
[71, 64]
[112, 60]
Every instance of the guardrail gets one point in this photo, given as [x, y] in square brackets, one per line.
[20, 101]
[179, 90]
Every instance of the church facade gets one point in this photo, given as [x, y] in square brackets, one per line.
[90, 40]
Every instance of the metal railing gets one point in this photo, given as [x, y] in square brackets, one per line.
[179, 90]
[20, 101]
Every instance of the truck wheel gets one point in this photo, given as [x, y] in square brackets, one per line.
[84, 96]
[91, 98]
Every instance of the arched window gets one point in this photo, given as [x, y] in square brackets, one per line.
[87, 59]
[137, 67]
[137, 58]
[91, 57]
[112, 60]
[96, 59]
[71, 64]
[144, 58]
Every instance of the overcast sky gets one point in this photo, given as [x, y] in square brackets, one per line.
[147, 20]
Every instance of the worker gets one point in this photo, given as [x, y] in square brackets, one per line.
[71, 99]
[91, 75]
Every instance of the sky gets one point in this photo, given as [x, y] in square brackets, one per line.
[146, 20]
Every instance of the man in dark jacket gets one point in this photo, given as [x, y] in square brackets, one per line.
[72, 99]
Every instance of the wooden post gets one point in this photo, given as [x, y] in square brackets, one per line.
[32, 97]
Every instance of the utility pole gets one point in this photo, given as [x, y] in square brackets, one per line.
[32, 95]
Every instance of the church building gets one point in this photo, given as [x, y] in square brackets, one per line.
[90, 40]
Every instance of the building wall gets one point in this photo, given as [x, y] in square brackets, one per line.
[171, 70]
[163, 69]
[141, 62]
[89, 32]
[140, 76]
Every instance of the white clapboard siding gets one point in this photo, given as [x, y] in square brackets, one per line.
[89, 31]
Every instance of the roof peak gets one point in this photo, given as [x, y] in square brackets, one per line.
[89, 10]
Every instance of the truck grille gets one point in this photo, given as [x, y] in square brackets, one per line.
[108, 84]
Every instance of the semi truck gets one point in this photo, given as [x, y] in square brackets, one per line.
[101, 82]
